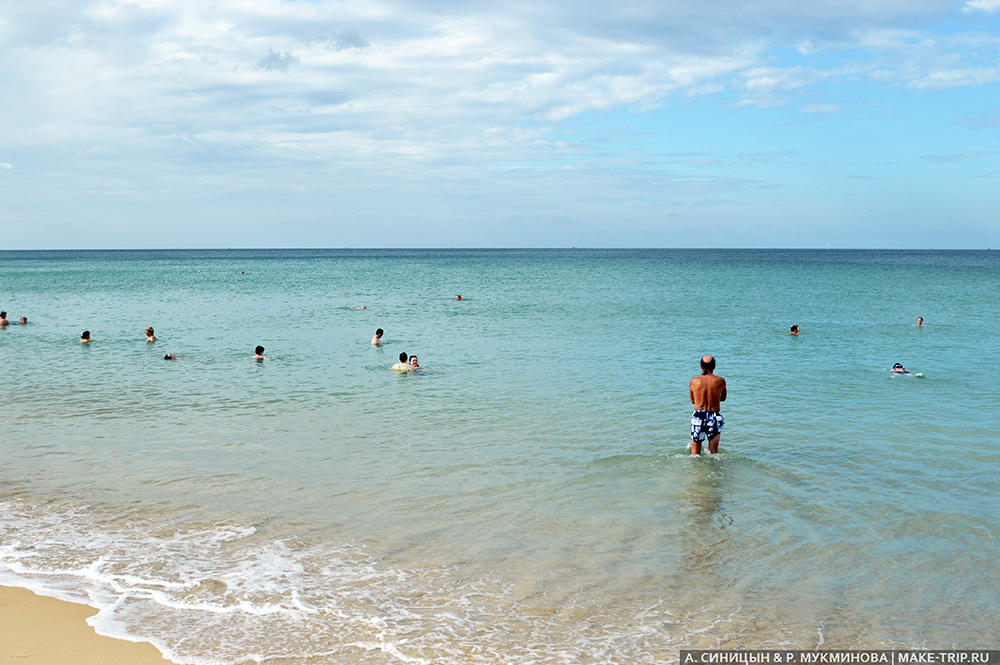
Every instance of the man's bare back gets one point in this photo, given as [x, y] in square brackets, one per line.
[707, 391]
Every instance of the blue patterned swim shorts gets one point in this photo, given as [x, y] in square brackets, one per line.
[706, 424]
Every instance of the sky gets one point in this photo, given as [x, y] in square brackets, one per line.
[378, 123]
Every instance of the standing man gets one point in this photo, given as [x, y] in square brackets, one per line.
[707, 391]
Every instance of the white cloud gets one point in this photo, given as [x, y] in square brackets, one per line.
[365, 82]
[823, 109]
[988, 6]
[6, 166]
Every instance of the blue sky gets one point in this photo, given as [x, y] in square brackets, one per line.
[257, 123]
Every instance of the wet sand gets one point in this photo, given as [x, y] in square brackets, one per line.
[35, 630]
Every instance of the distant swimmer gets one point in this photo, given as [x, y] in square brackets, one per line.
[707, 391]
[150, 335]
[258, 353]
[458, 297]
[920, 322]
[414, 365]
[794, 330]
[402, 365]
[377, 338]
[85, 337]
[3, 320]
[362, 307]
[898, 370]
[23, 321]
[170, 356]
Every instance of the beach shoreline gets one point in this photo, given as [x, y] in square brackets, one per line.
[38, 630]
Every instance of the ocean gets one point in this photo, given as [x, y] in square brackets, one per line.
[528, 497]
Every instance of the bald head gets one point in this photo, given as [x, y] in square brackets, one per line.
[708, 364]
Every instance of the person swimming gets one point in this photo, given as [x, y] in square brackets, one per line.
[85, 337]
[920, 322]
[150, 335]
[377, 338]
[170, 356]
[22, 322]
[458, 297]
[414, 365]
[794, 330]
[258, 353]
[402, 365]
[898, 368]
[3, 320]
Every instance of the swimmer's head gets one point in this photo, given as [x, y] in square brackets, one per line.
[379, 332]
[259, 350]
[3, 315]
[85, 334]
[149, 331]
[920, 320]
[458, 297]
[413, 361]
[170, 356]
[708, 364]
[24, 319]
[794, 329]
[402, 357]
[897, 366]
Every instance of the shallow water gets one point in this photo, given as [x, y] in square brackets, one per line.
[528, 497]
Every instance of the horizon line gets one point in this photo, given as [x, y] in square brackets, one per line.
[453, 248]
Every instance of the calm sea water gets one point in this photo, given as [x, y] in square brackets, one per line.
[528, 498]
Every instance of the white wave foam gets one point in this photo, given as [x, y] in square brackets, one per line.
[223, 593]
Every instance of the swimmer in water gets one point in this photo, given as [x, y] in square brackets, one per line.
[414, 365]
[258, 353]
[899, 369]
[170, 356]
[150, 336]
[458, 297]
[3, 320]
[377, 339]
[794, 330]
[920, 322]
[402, 365]
[22, 322]
[85, 337]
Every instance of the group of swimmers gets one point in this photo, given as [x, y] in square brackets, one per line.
[4, 322]
[406, 363]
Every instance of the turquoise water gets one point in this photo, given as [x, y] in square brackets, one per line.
[526, 498]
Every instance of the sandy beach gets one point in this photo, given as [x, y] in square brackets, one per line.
[35, 630]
